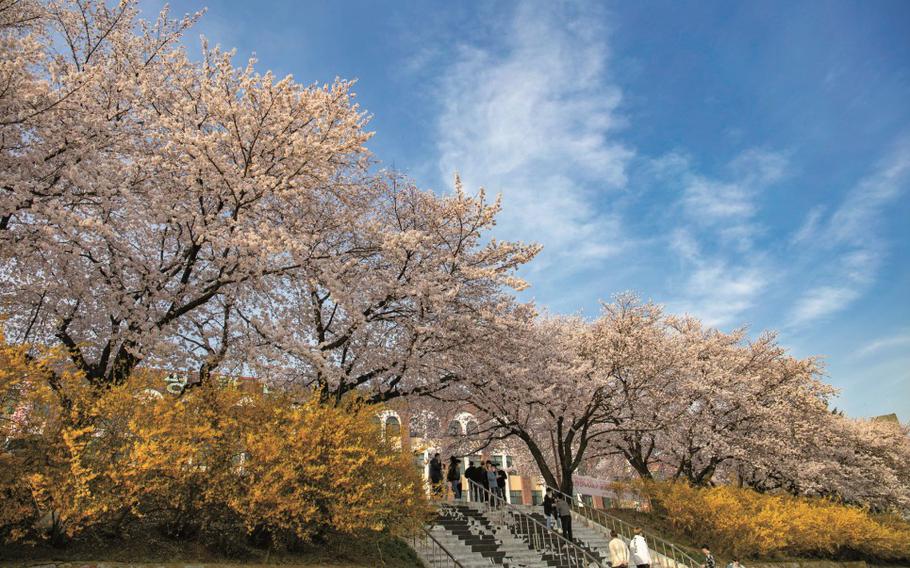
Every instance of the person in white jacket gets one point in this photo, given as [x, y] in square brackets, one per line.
[641, 556]
[619, 552]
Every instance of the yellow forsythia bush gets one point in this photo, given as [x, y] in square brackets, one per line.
[18, 509]
[317, 468]
[743, 522]
[48, 468]
[182, 462]
[216, 461]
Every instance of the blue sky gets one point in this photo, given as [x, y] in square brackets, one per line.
[746, 162]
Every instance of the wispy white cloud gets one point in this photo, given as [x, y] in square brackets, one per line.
[420, 59]
[711, 201]
[683, 243]
[719, 292]
[849, 243]
[883, 344]
[730, 202]
[821, 301]
[810, 226]
[757, 168]
[850, 223]
[536, 116]
[714, 236]
[534, 120]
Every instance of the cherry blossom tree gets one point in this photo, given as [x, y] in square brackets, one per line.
[687, 399]
[646, 363]
[170, 183]
[540, 392]
[822, 453]
[674, 398]
[737, 394]
[205, 217]
[400, 306]
[189, 214]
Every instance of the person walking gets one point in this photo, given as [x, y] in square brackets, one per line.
[501, 478]
[564, 510]
[619, 552]
[436, 476]
[641, 556]
[709, 558]
[453, 476]
[549, 509]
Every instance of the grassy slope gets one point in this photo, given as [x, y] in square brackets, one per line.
[657, 525]
[340, 552]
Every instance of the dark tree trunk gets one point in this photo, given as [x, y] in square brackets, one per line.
[567, 485]
[640, 467]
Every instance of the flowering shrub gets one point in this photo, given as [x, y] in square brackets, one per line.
[211, 462]
[317, 468]
[747, 523]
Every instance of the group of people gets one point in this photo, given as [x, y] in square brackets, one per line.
[490, 480]
[558, 513]
[487, 475]
[633, 555]
[637, 555]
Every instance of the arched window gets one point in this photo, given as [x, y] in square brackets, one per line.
[455, 428]
[472, 428]
[432, 426]
[415, 428]
[392, 426]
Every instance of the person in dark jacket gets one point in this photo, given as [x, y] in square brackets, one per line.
[436, 475]
[470, 474]
[709, 558]
[453, 476]
[548, 510]
[501, 477]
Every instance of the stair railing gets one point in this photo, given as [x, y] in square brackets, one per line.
[540, 538]
[431, 551]
[670, 555]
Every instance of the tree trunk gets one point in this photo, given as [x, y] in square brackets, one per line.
[642, 469]
[567, 485]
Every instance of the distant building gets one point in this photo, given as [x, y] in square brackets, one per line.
[887, 418]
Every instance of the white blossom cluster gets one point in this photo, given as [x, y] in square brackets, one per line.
[202, 217]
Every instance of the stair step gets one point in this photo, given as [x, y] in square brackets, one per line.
[477, 538]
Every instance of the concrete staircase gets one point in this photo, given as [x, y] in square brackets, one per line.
[590, 540]
[479, 537]
[593, 527]
[470, 540]
[595, 539]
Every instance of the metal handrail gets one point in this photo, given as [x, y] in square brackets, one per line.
[432, 551]
[671, 555]
[540, 538]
